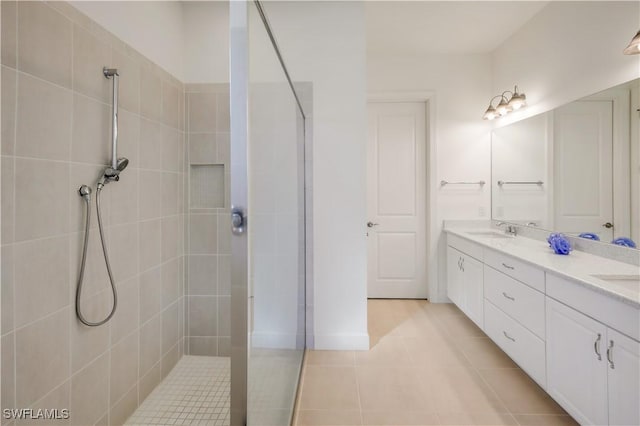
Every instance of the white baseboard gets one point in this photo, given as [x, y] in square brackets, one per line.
[342, 342]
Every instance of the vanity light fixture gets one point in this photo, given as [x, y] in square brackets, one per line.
[509, 101]
[634, 46]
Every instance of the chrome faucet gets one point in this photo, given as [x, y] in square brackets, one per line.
[511, 230]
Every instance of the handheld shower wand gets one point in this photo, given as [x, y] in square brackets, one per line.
[110, 174]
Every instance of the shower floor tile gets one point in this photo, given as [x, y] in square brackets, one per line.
[196, 392]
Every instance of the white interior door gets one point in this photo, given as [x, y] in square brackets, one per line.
[583, 145]
[396, 186]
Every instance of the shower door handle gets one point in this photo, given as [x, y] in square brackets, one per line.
[238, 222]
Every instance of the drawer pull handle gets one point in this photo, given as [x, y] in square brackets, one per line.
[508, 337]
[610, 355]
[508, 266]
[508, 297]
[596, 347]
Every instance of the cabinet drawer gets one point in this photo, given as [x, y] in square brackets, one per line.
[524, 347]
[521, 271]
[519, 301]
[465, 246]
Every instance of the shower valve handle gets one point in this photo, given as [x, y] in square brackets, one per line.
[237, 221]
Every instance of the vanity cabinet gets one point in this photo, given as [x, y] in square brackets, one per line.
[593, 371]
[465, 284]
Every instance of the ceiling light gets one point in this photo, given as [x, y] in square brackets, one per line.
[509, 101]
[518, 100]
[634, 46]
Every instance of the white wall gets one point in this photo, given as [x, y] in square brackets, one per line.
[324, 43]
[206, 41]
[461, 85]
[567, 51]
[154, 28]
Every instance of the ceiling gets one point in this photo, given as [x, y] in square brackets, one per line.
[444, 27]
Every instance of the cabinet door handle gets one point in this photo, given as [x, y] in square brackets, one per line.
[508, 337]
[463, 264]
[459, 262]
[508, 297]
[508, 266]
[610, 355]
[596, 347]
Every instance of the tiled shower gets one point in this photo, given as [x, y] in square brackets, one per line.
[169, 250]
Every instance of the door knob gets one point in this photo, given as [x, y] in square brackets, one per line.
[371, 224]
[608, 225]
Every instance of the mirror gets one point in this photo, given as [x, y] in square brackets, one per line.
[575, 169]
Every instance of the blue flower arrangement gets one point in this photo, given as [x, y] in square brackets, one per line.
[559, 243]
[589, 236]
[624, 241]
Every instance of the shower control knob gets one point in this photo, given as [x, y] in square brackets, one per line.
[608, 225]
[371, 224]
[237, 221]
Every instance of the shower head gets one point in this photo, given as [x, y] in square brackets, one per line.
[122, 163]
[113, 174]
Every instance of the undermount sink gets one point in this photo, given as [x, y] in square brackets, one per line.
[491, 234]
[632, 280]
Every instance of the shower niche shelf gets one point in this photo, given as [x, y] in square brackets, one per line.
[206, 186]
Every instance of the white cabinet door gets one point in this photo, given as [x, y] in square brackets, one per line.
[454, 276]
[576, 363]
[473, 289]
[623, 359]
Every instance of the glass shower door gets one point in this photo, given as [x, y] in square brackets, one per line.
[267, 181]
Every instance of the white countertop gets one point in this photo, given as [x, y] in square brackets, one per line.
[577, 266]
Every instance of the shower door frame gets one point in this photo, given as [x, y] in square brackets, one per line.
[239, 172]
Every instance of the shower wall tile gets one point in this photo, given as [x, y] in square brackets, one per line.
[58, 397]
[172, 143]
[203, 346]
[42, 357]
[150, 194]
[89, 342]
[203, 275]
[150, 93]
[149, 381]
[123, 408]
[90, 392]
[7, 390]
[223, 120]
[90, 55]
[43, 114]
[91, 140]
[224, 275]
[42, 277]
[44, 42]
[9, 33]
[171, 289]
[203, 234]
[150, 250]
[203, 311]
[150, 344]
[56, 124]
[170, 327]
[171, 97]
[127, 318]
[171, 244]
[150, 294]
[124, 367]
[150, 145]
[9, 89]
[202, 148]
[202, 112]
[224, 346]
[124, 198]
[128, 137]
[124, 251]
[224, 316]
[8, 289]
[8, 223]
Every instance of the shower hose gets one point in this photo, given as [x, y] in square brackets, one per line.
[81, 317]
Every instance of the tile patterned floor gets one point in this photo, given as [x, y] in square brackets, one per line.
[196, 392]
[428, 365]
